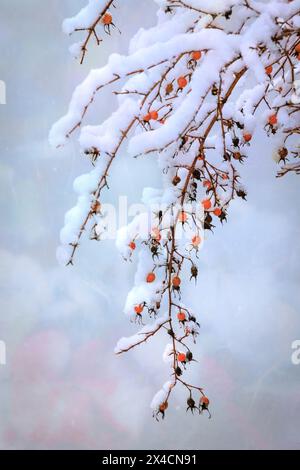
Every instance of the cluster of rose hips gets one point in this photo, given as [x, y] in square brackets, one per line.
[191, 405]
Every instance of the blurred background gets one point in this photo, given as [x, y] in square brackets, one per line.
[62, 387]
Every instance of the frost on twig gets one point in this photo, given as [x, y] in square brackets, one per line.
[191, 93]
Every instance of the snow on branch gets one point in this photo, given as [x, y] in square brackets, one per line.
[292, 167]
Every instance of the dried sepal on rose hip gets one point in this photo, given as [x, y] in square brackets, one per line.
[203, 146]
[152, 115]
[150, 277]
[269, 70]
[169, 88]
[207, 184]
[139, 309]
[235, 141]
[189, 356]
[181, 316]
[283, 153]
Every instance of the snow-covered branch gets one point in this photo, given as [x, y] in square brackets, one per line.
[192, 91]
[125, 344]
[97, 13]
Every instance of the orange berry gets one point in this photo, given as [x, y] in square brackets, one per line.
[196, 55]
[147, 117]
[247, 137]
[176, 281]
[217, 211]
[154, 115]
[196, 240]
[181, 357]
[182, 82]
[169, 88]
[150, 277]
[132, 245]
[204, 401]
[225, 176]
[107, 19]
[269, 70]
[181, 316]
[272, 120]
[207, 184]
[297, 48]
[206, 204]
[138, 309]
[96, 207]
[182, 216]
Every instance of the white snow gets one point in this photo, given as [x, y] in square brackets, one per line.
[125, 343]
[161, 395]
